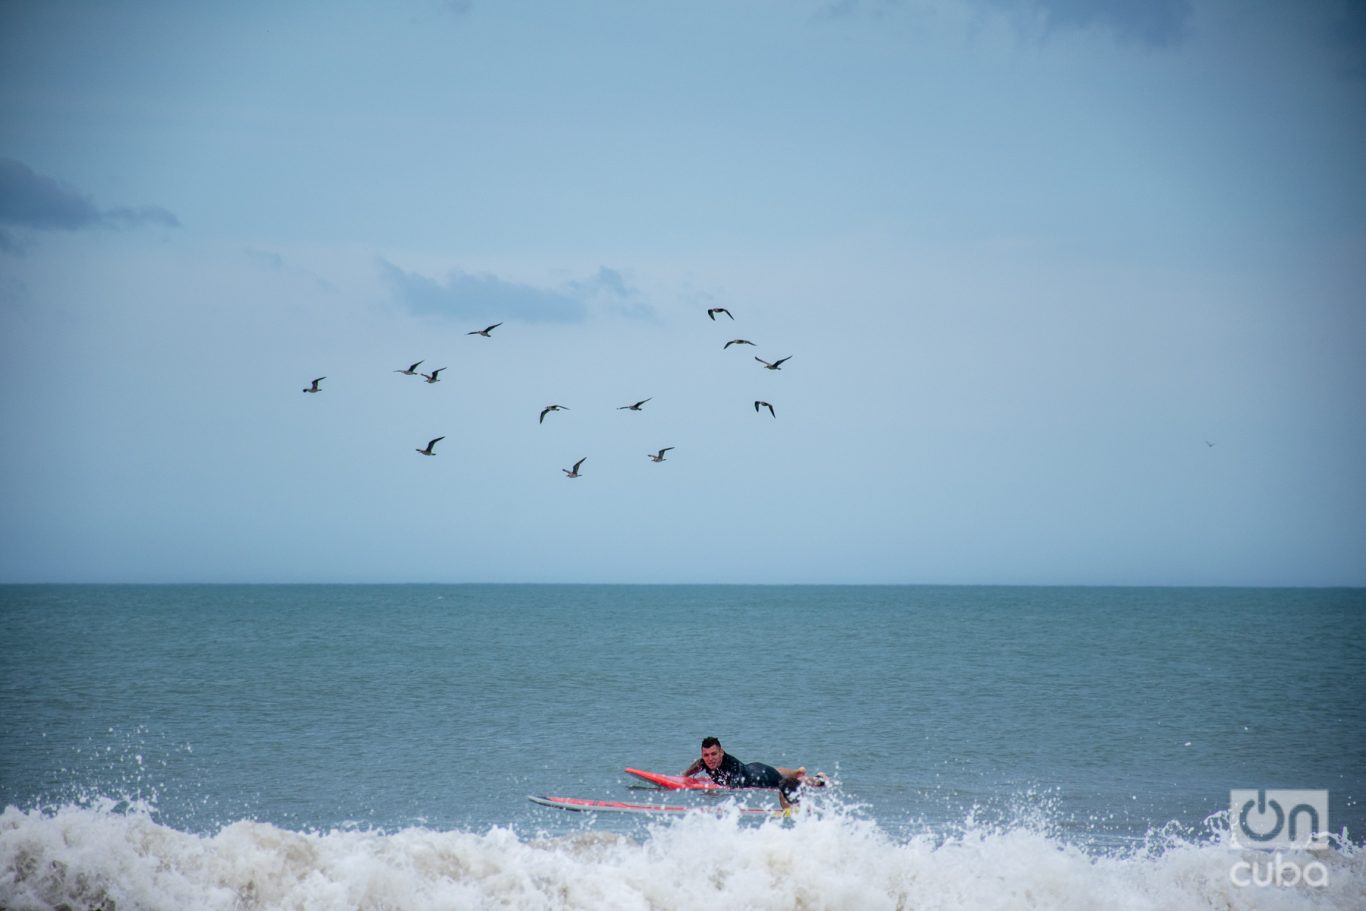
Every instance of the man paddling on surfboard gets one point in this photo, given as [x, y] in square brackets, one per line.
[729, 772]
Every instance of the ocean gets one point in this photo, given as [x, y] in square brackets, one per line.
[373, 747]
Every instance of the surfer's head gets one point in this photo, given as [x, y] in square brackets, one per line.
[712, 752]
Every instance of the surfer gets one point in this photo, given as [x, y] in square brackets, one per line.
[729, 772]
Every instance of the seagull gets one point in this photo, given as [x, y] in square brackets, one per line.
[575, 472]
[712, 311]
[736, 341]
[432, 377]
[1209, 444]
[659, 456]
[635, 407]
[411, 371]
[776, 365]
[758, 405]
[485, 332]
[428, 450]
[314, 387]
[549, 408]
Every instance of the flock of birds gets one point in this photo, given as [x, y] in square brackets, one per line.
[434, 377]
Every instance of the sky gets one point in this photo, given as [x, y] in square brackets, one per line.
[1074, 291]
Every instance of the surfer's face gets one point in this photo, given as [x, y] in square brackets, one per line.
[711, 756]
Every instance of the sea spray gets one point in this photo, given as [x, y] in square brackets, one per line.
[100, 857]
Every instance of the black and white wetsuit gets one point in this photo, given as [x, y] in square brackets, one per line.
[732, 773]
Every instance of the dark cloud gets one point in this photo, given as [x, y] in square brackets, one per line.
[1155, 23]
[37, 201]
[477, 297]
[32, 200]
[1347, 37]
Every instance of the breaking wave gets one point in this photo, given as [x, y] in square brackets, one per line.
[116, 856]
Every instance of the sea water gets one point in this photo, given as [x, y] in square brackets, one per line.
[373, 746]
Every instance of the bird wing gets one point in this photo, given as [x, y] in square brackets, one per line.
[434, 442]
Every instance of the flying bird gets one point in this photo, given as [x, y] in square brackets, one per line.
[432, 377]
[635, 407]
[574, 473]
[1209, 444]
[411, 371]
[485, 332]
[776, 365]
[314, 387]
[712, 311]
[549, 408]
[658, 456]
[736, 341]
[758, 405]
[428, 450]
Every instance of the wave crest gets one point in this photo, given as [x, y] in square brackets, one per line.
[115, 856]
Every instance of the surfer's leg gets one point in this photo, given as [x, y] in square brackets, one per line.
[787, 792]
[761, 775]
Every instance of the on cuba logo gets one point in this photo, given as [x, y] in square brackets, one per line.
[1278, 818]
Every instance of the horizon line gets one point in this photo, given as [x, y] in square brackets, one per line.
[1133, 585]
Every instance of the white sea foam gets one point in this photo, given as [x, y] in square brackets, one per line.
[118, 858]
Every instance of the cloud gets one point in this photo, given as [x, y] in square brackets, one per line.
[32, 200]
[610, 290]
[1347, 38]
[125, 217]
[1155, 23]
[840, 9]
[465, 296]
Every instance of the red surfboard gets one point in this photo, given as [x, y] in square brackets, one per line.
[677, 782]
[580, 804]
